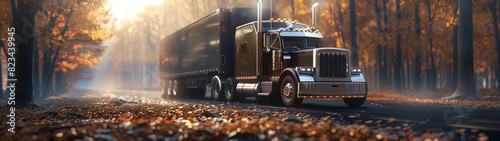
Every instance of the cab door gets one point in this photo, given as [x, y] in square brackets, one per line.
[246, 53]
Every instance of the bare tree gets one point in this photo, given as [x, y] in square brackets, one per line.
[354, 42]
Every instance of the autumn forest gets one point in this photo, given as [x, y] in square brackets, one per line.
[404, 46]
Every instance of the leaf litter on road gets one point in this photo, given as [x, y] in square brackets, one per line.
[123, 118]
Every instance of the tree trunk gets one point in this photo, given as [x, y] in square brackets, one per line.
[24, 23]
[399, 58]
[354, 42]
[60, 86]
[46, 78]
[386, 81]
[454, 77]
[379, 47]
[4, 96]
[36, 73]
[417, 85]
[341, 23]
[493, 9]
[417, 75]
[407, 75]
[293, 8]
[431, 75]
[466, 88]
[380, 59]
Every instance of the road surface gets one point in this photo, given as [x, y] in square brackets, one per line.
[423, 117]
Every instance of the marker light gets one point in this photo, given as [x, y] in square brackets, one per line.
[272, 19]
[279, 19]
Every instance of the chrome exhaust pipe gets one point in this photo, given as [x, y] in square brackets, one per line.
[259, 16]
[314, 17]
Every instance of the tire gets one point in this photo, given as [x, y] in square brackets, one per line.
[177, 89]
[169, 90]
[230, 90]
[164, 89]
[288, 92]
[354, 102]
[216, 90]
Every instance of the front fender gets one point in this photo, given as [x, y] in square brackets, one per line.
[358, 78]
[289, 72]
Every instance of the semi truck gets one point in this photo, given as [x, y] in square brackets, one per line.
[238, 54]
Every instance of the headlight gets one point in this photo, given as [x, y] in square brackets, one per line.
[305, 69]
[357, 70]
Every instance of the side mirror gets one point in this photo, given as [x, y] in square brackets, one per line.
[267, 43]
[267, 40]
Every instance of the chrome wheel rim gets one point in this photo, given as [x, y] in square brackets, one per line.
[174, 88]
[215, 89]
[169, 91]
[162, 88]
[287, 90]
[228, 90]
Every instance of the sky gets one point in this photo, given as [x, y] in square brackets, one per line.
[119, 8]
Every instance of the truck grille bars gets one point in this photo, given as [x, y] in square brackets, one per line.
[333, 64]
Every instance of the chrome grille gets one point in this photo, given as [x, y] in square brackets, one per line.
[333, 64]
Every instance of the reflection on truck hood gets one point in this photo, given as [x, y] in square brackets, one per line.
[301, 34]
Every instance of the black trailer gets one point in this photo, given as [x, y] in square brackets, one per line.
[201, 50]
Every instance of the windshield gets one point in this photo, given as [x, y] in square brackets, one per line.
[300, 43]
[275, 26]
[296, 25]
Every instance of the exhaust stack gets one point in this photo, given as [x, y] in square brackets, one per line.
[259, 16]
[314, 18]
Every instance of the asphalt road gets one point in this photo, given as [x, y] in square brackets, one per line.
[423, 117]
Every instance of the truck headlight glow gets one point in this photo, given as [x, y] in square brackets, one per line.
[305, 69]
[357, 70]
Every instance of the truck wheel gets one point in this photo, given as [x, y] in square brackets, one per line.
[177, 89]
[164, 89]
[230, 92]
[216, 89]
[354, 102]
[169, 89]
[288, 92]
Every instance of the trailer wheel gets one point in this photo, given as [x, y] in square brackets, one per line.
[216, 89]
[230, 91]
[169, 89]
[177, 89]
[164, 89]
[288, 92]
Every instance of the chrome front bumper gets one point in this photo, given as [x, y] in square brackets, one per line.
[331, 90]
